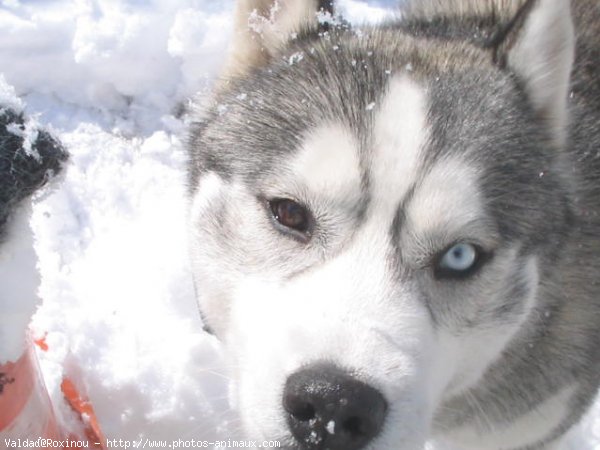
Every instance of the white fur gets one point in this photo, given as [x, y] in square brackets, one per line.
[209, 187]
[328, 162]
[480, 348]
[213, 281]
[531, 428]
[400, 132]
[279, 326]
[448, 200]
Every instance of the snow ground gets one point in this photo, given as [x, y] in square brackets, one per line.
[109, 77]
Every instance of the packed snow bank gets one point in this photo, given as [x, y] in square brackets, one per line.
[110, 78]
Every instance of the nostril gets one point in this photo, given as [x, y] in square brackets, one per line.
[298, 408]
[355, 426]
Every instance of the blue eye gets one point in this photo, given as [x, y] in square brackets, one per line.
[458, 261]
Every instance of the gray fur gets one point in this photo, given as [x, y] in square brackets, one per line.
[540, 195]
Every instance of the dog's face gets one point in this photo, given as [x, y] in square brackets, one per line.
[368, 214]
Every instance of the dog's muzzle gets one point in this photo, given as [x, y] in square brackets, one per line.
[328, 408]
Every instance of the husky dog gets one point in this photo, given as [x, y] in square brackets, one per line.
[395, 229]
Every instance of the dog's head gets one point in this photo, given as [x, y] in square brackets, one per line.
[369, 209]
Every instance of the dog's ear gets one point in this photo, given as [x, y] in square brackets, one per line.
[263, 26]
[538, 46]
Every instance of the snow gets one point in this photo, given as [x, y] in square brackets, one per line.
[110, 78]
[8, 97]
[19, 279]
[112, 250]
[331, 427]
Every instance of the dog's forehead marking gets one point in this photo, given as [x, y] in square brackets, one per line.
[399, 135]
[447, 198]
[328, 161]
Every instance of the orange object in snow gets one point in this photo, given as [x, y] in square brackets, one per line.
[26, 412]
[84, 409]
[25, 409]
[79, 405]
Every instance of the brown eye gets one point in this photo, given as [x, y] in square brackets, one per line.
[292, 216]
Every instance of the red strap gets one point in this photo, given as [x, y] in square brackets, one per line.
[16, 384]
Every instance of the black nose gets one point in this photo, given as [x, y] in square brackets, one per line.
[329, 409]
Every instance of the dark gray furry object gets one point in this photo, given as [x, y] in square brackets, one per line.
[23, 172]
